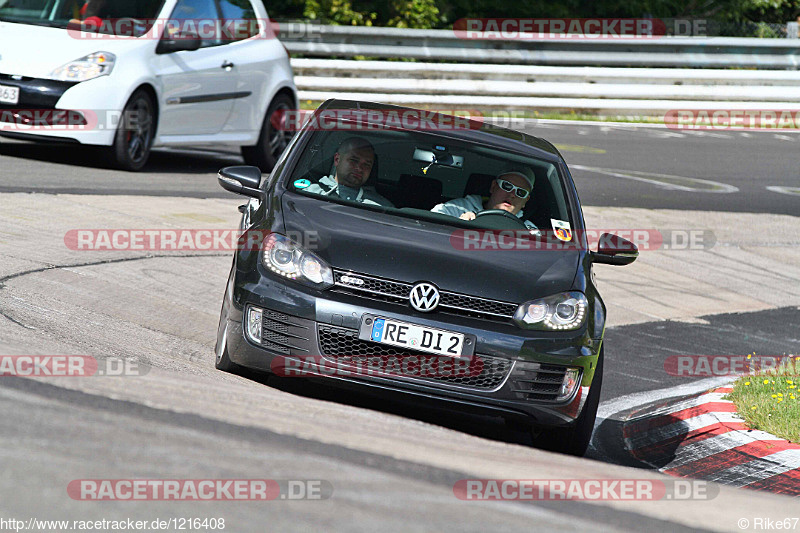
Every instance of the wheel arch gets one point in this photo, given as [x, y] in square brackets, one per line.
[149, 89]
[285, 90]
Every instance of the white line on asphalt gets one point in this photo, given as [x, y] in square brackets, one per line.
[686, 404]
[629, 401]
[666, 134]
[664, 181]
[634, 376]
[794, 191]
[703, 133]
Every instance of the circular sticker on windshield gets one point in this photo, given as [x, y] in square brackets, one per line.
[302, 184]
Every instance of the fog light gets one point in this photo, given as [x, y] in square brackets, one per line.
[570, 383]
[253, 328]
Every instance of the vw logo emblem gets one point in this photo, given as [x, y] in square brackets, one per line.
[424, 297]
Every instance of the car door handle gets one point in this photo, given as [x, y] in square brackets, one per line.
[227, 65]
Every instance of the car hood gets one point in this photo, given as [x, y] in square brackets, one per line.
[35, 51]
[408, 250]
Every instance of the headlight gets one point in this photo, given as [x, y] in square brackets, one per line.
[555, 313]
[283, 256]
[86, 68]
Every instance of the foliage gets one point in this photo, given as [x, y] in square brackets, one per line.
[415, 14]
[339, 12]
[443, 13]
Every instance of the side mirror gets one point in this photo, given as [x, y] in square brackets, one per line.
[241, 179]
[184, 41]
[614, 250]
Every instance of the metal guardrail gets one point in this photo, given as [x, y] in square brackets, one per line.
[344, 70]
[445, 45]
[591, 90]
[609, 77]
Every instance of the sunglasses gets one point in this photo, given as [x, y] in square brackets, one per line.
[510, 187]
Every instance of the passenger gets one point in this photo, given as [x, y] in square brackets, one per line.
[510, 191]
[353, 163]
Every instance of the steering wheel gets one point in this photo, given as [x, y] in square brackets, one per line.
[502, 212]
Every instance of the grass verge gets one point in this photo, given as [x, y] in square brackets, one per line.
[310, 105]
[506, 118]
[770, 401]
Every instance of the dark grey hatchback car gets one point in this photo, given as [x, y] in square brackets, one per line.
[404, 251]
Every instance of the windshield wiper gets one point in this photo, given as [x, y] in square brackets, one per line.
[35, 22]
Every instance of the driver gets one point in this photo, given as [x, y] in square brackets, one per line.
[90, 15]
[510, 191]
[352, 163]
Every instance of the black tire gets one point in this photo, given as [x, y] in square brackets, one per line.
[135, 133]
[575, 439]
[222, 360]
[273, 138]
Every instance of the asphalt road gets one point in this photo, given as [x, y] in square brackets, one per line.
[620, 166]
[367, 492]
[773, 332]
[392, 463]
[748, 161]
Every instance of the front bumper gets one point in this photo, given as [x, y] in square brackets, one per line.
[51, 110]
[519, 369]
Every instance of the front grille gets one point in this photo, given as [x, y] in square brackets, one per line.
[283, 334]
[36, 93]
[535, 381]
[343, 347]
[479, 306]
[449, 302]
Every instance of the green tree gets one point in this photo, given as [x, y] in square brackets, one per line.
[415, 14]
[442, 13]
[340, 12]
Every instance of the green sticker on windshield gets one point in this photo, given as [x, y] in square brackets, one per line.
[302, 184]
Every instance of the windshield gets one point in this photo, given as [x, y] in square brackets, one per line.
[76, 14]
[427, 176]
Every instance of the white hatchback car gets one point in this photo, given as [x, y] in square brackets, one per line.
[134, 74]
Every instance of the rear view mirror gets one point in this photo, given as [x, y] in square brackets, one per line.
[438, 156]
[614, 250]
[184, 41]
[241, 179]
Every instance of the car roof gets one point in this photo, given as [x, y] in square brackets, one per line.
[483, 132]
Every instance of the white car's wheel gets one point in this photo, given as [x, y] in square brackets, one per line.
[135, 133]
[274, 136]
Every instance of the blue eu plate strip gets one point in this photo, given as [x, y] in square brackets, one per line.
[377, 330]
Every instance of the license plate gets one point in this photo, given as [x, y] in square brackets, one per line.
[416, 337]
[9, 95]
